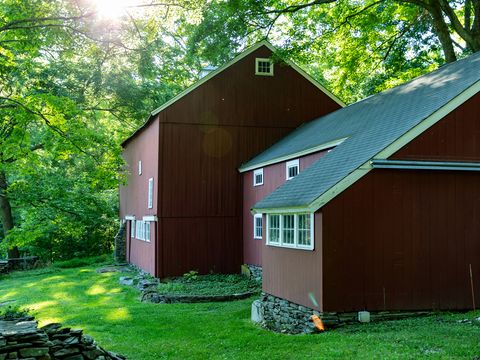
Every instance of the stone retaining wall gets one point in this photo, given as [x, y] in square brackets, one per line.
[25, 263]
[22, 339]
[255, 272]
[284, 316]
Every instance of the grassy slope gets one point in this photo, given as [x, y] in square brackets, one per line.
[81, 298]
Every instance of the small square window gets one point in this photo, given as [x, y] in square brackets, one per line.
[258, 177]
[263, 67]
[257, 226]
[292, 169]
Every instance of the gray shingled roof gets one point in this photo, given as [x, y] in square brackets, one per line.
[370, 125]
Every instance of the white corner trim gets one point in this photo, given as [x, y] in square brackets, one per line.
[150, 218]
[129, 217]
[298, 154]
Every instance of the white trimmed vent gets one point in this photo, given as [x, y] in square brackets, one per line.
[263, 67]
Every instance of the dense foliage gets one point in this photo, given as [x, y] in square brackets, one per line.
[75, 82]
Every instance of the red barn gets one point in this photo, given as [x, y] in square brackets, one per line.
[183, 201]
[375, 206]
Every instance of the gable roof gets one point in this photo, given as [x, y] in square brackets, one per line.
[375, 127]
[214, 73]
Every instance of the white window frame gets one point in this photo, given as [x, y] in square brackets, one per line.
[132, 228]
[258, 61]
[291, 164]
[295, 245]
[148, 231]
[150, 193]
[255, 173]
[255, 217]
[140, 230]
[139, 167]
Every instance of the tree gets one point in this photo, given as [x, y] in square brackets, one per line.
[357, 47]
[71, 87]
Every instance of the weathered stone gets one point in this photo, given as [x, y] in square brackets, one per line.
[74, 357]
[92, 354]
[3, 341]
[66, 351]
[33, 352]
[13, 355]
[71, 341]
[257, 312]
[3, 356]
[86, 339]
[125, 280]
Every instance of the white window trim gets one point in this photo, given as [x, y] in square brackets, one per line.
[290, 164]
[255, 217]
[255, 173]
[150, 193]
[150, 218]
[139, 167]
[149, 225]
[295, 245]
[133, 228]
[258, 60]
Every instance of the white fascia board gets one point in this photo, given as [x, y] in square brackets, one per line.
[395, 146]
[289, 210]
[129, 217]
[428, 122]
[239, 57]
[294, 155]
[150, 218]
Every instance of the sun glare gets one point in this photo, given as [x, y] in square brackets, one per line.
[113, 9]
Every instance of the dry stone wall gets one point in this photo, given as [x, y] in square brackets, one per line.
[22, 339]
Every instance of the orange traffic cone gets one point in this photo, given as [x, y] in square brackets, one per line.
[318, 322]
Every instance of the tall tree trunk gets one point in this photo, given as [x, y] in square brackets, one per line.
[6, 216]
[442, 31]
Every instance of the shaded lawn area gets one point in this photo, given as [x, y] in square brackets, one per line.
[111, 313]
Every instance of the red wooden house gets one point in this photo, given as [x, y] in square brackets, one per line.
[375, 206]
[183, 201]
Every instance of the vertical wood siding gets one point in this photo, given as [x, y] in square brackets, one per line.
[134, 196]
[293, 274]
[403, 240]
[455, 138]
[273, 176]
[204, 137]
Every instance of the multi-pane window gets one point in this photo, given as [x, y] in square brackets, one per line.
[290, 230]
[304, 230]
[132, 228]
[263, 67]
[274, 229]
[150, 193]
[257, 226]
[292, 168]
[258, 177]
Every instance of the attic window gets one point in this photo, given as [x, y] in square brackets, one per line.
[292, 168]
[258, 177]
[263, 67]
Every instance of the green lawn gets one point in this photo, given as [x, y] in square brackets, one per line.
[82, 298]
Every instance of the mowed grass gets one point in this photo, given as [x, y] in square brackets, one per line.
[112, 314]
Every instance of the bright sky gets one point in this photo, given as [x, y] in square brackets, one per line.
[113, 9]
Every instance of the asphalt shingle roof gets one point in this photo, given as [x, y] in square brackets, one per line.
[370, 125]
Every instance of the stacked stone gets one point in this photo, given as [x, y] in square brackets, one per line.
[287, 317]
[255, 273]
[22, 339]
